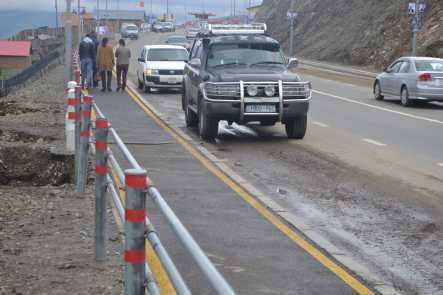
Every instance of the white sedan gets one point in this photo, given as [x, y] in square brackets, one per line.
[161, 66]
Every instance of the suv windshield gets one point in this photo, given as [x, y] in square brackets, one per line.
[177, 40]
[244, 54]
[165, 54]
[429, 65]
[131, 28]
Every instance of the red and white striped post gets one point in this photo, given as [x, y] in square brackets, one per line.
[70, 119]
[84, 143]
[78, 100]
[135, 213]
[101, 170]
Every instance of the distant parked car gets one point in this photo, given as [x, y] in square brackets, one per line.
[191, 33]
[179, 41]
[130, 31]
[163, 27]
[161, 66]
[412, 79]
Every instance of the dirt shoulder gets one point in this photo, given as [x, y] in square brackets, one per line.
[46, 228]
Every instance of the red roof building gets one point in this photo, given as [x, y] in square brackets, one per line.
[15, 54]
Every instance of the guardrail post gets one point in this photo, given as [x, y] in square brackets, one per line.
[78, 100]
[135, 213]
[84, 143]
[101, 155]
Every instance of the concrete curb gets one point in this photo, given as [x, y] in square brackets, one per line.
[298, 223]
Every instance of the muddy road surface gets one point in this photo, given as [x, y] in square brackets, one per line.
[381, 204]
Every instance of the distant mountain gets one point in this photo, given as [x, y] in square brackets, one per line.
[13, 21]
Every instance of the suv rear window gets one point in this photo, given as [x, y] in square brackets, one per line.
[244, 54]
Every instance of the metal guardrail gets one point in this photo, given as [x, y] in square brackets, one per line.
[338, 69]
[111, 178]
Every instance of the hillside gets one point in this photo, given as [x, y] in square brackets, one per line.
[358, 32]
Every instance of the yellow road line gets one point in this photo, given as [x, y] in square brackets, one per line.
[159, 273]
[350, 280]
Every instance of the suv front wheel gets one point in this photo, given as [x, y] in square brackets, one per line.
[296, 128]
[207, 127]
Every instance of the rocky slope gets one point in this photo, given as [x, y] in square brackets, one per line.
[358, 32]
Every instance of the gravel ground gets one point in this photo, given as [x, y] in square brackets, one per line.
[46, 229]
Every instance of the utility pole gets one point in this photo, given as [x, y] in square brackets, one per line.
[118, 18]
[414, 30]
[98, 13]
[291, 28]
[68, 41]
[235, 4]
[416, 10]
[56, 17]
[79, 24]
[249, 11]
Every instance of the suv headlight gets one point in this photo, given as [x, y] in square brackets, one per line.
[270, 90]
[151, 72]
[252, 90]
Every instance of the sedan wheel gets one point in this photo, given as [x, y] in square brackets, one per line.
[377, 91]
[404, 97]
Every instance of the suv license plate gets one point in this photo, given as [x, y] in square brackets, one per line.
[172, 80]
[260, 108]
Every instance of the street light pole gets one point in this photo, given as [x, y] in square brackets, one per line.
[291, 30]
[79, 24]
[414, 31]
[68, 41]
[56, 17]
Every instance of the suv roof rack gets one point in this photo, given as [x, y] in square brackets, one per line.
[245, 29]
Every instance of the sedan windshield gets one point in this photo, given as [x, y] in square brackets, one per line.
[165, 54]
[429, 65]
[252, 54]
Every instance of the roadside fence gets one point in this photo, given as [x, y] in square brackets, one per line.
[7, 85]
[129, 191]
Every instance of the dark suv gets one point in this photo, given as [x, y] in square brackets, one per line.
[240, 75]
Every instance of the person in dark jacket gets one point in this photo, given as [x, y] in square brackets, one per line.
[87, 56]
[94, 38]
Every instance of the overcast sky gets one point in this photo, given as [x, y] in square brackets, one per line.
[159, 6]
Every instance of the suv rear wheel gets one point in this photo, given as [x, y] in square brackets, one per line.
[296, 128]
[207, 127]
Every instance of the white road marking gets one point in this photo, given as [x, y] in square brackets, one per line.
[379, 108]
[320, 124]
[374, 142]
[440, 164]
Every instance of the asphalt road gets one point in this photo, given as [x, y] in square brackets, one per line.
[368, 176]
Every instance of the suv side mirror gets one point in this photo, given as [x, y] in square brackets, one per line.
[141, 59]
[387, 70]
[195, 63]
[292, 63]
